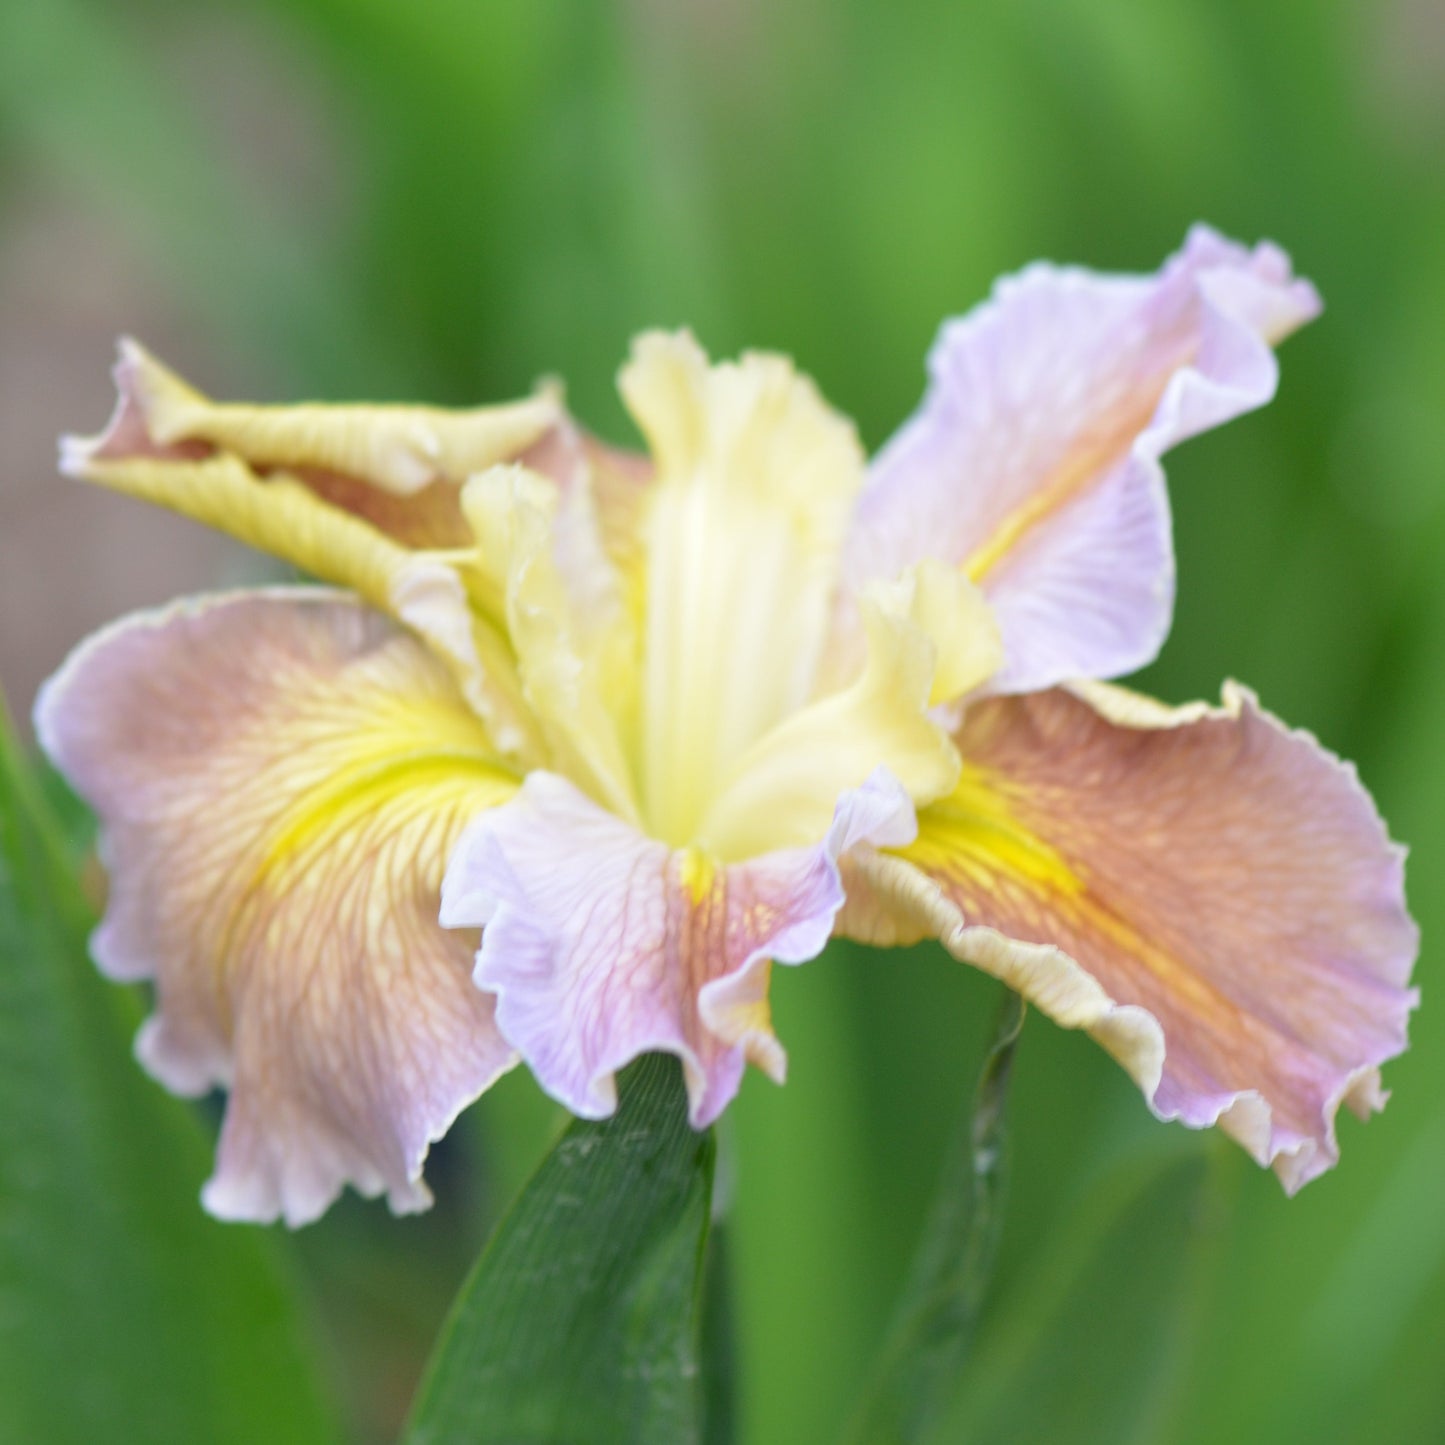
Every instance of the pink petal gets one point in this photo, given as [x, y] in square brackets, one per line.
[602, 944]
[279, 777]
[1034, 459]
[1212, 896]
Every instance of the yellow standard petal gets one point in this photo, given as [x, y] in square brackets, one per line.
[755, 480]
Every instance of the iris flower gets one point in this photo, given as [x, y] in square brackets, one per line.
[578, 743]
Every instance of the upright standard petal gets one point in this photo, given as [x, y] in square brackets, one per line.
[280, 777]
[1212, 896]
[743, 526]
[602, 944]
[1034, 460]
[575, 648]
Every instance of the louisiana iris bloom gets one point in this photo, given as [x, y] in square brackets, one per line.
[579, 743]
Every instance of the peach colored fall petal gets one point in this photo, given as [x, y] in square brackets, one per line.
[279, 778]
[601, 943]
[1213, 897]
[1033, 462]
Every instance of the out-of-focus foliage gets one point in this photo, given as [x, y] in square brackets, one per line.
[125, 1314]
[507, 187]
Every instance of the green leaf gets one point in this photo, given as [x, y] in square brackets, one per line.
[719, 1343]
[579, 1324]
[934, 1324]
[125, 1313]
[1093, 1343]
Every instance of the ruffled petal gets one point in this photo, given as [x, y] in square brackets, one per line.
[1213, 897]
[756, 478]
[601, 944]
[575, 646]
[1034, 460]
[280, 777]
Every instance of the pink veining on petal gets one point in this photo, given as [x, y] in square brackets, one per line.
[1227, 889]
[291, 932]
[1034, 458]
[601, 944]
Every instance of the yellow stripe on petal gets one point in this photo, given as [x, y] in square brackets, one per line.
[1213, 897]
[280, 778]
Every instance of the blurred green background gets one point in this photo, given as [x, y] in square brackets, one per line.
[347, 198]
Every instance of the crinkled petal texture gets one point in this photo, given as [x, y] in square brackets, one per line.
[1212, 896]
[1033, 462]
[280, 778]
[601, 943]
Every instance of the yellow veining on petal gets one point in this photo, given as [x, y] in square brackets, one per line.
[975, 838]
[372, 783]
[697, 873]
[1088, 460]
[974, 830]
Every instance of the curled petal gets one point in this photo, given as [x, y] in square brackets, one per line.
[370, 498]
[1033, 462]
[279, 778]
[601, 944]
[1212, 896]
[367, 453]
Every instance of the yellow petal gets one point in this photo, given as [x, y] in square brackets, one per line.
[786, 786]
[755, 481]
[402, 450]
[575, 662]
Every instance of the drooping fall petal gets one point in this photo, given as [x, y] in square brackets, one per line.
[280, 777]
[1033, 462]
[601, 943]
[1212, 896]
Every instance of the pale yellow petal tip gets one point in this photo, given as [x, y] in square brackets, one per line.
[953, 613]
[689, 406]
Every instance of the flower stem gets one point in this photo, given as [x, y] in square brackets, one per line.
[932, 1330]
